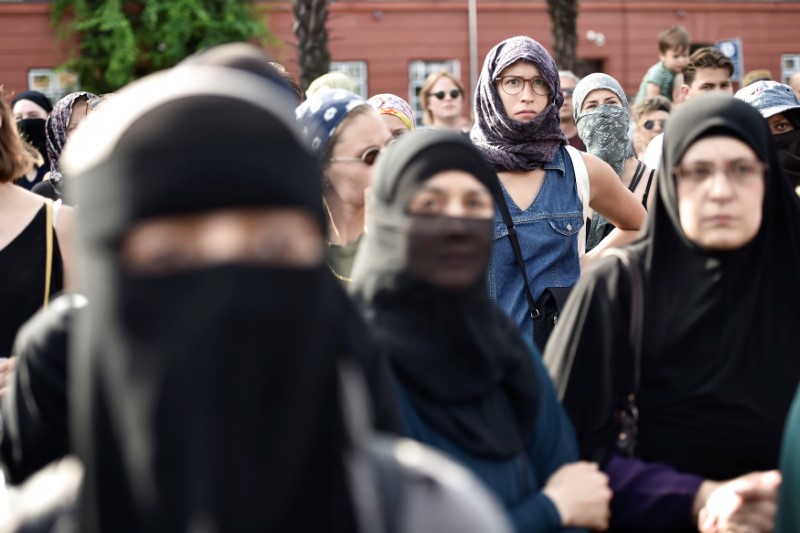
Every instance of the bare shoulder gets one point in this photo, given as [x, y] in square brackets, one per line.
[597, 167]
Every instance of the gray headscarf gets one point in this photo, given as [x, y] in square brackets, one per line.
[603, 129]
[510, 144]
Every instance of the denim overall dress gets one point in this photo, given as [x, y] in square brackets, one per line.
[548, 236]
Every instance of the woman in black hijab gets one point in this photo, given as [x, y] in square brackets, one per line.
[468, 382]
[721, 304]
[204, 385]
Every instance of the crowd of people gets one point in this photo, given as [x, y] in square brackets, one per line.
[238, 306]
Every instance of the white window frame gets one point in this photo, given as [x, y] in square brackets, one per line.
[418, 70]
[790, 63]
[54, 83]
[357, 70]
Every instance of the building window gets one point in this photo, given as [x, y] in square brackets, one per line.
[790, 63]
[357, 70]
[418, 70]
[54, 83]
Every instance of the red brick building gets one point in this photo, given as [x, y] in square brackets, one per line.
[389, 44]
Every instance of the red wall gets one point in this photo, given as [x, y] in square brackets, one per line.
[27, 40]
[438, 30]
[388, 34]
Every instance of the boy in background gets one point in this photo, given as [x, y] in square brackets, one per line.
[673, 46]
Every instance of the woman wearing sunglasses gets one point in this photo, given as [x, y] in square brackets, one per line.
[517, 129]
[650, 117]
[347, 135]
[443, 100]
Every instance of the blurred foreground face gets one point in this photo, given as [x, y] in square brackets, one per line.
[450, 242]
[283, 237]
[720, 184]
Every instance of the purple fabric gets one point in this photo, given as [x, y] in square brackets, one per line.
[650, 493]
[509, 144]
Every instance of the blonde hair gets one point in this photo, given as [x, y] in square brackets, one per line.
[425, 92]
[15, 158]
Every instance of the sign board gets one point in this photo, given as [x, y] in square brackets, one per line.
[733, 49]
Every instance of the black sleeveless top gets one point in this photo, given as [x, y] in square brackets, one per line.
[22, 271]
[599, 227]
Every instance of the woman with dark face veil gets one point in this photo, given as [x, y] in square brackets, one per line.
[721, 304]
[200, 401]
[468, 382]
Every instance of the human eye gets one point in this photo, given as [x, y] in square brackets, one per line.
[479, 205]
[425, 203]
[590, 105]
[782, 127]
[539, 83]
[696, 173]
[512, 81]
[741, 170]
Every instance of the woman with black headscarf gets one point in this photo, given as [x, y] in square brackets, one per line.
[205, 388]
[517, 129]
[718, 359]
[31, 109]
[469, 384]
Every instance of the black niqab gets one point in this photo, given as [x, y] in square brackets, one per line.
[466, 368]
[720, 346]
[204, 399]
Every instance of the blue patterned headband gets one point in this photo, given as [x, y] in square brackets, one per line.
[320, 115]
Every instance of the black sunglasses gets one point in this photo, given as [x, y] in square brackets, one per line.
[650, 124]
[454, 93]
[368, 157]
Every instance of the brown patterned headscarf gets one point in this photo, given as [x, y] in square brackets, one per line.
[56, 129]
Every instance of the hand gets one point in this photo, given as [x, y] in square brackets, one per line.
[580, 493]
[6, 370]
[743, 505]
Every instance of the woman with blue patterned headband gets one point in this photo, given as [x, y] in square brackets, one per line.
[347, 135]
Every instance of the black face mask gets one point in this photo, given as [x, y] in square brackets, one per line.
[789, 154]
[449, 253]
[32, 130]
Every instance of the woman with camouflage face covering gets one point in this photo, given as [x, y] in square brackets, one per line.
[601, 114]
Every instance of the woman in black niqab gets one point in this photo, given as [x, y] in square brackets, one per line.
[207, 397]
[719, 356]
[468, 383]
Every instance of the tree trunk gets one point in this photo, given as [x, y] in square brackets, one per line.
[310, 17]
[564, 16]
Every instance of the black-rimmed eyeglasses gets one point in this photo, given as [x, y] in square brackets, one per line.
[513, 85]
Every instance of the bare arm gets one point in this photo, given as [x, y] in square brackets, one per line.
[653, 89]
[677, 94]
[64, 231]
[615, 202]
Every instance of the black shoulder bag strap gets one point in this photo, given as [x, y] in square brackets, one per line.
[637, 176]
[647, 189]
[628, 437]
[512, 234]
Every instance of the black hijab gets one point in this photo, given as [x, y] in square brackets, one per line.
[720, 346]
[204, 399]
[466, 368]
